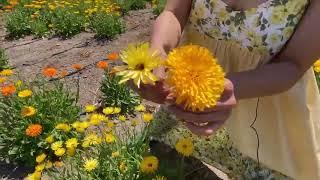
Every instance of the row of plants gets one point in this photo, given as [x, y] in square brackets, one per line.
[66, 18]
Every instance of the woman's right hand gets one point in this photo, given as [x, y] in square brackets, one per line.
[157, 93]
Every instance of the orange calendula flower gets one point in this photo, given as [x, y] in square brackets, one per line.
[113, 56]
[34, 130]
[8, 90]
[49, 72]
[63, 73]
[102, 64]
[77, 66]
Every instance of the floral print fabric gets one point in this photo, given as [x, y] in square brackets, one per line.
[266, 28]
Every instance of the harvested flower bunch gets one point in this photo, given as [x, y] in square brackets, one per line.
[195, 77]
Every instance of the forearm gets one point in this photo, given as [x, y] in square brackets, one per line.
[267, 80]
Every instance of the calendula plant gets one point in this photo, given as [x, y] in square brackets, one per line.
[29, 113]
[115, 94]
[3, 60]
[107, 25]
[114, 147]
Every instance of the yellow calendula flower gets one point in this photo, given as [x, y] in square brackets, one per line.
[110, 138]
[149, 164]
[108, 110]
[40, 158]
[115, 154]
[6, 72]
[96, 119]
[116, 110]
[40, 167]
[140, 108]
[63, 127]
[34, 176]
[18, 83]
[110, 124]
[91, 164]
[49, 139]
[196, 79]
[60, 152]
[72, 143]
[28, 111]
[91, 139]
[140, 63]
[316, 66]
[2, 80]
[135, 122]
[56, 145]
[25, 93]
[147, 117]
[90, 108]
[49, 164]
[185, 146]
[71, 151]
[123, 167]
[122, 118]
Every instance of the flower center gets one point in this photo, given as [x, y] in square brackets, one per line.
[139, 67]
[150, 165]
[184, 146]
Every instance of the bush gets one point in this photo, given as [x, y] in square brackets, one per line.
[118, 95]
[17, 23]
[3, 60]
[27, 119]
[67, 24]
[39, 28]
[106, 25]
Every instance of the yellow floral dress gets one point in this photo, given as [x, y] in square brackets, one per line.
[288, 124]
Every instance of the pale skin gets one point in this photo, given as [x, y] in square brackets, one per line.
[288, 67]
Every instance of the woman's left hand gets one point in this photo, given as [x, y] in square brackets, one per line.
[207, 122]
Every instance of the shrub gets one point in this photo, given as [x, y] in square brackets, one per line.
[127, 5]
[67, 24]
[118, 95]
[39, 28]
[17, 24]
[106, 25]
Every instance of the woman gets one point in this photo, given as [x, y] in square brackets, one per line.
[267, 48]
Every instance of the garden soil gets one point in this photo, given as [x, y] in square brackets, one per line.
[29, 55]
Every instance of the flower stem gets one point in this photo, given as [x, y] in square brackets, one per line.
[181, 170]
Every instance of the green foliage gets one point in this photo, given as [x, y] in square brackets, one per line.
[106, 25]
[17, 23]
[53, 105]
[118, 95]
[127, 5]
[67, 24]
[3, 60]
[39, 28]
[158, 6]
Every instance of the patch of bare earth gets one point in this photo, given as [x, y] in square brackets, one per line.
[29, 56]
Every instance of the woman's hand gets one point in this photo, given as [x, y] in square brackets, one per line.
[156, 93]
[207, 122]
